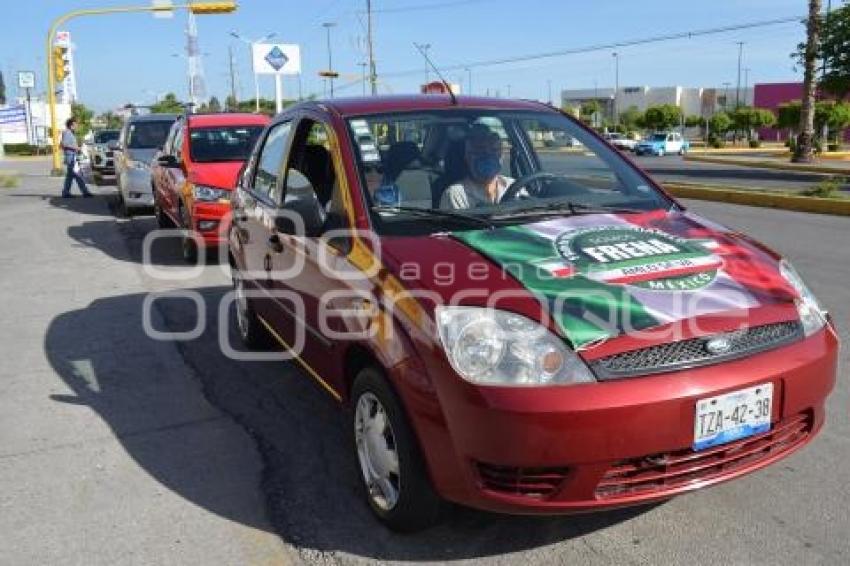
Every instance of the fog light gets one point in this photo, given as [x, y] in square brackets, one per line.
[206, 225]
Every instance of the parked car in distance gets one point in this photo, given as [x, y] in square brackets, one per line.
[141, 137]
[663, 143]
[195, 172]
[620, 141]
[580, 342]
[101, 154]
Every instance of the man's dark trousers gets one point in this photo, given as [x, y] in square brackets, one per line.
[70, 175]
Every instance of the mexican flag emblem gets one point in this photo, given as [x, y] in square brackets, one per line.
[647, 258]
[605, 275]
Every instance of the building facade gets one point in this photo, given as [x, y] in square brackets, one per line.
[694, 101]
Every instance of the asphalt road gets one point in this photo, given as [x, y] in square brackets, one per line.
[672, 168]
[116, 448]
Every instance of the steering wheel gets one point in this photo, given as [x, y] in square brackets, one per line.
[513, 190]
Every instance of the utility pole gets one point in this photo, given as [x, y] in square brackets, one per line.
[738, 87]
[726, 86]
[232, 77]
[328, 26]
[373, 75]
[616, 88]
[363, 81]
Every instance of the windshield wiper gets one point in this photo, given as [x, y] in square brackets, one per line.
[573, 208]
[437, 213]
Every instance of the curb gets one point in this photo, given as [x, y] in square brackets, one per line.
[768, 165]
[835, 206]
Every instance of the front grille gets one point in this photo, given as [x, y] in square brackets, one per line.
[660, 473]
[696, 352]
[537, 483]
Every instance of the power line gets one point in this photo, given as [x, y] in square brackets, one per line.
[606, 46]
[421, 7]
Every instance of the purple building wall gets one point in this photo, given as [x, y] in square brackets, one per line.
[771, 96]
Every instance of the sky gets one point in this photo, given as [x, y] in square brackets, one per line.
[130, 57]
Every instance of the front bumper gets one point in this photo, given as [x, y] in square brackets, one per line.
[576, 443]
[135, 187]
[211, 221]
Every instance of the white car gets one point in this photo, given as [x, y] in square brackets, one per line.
[620, 141]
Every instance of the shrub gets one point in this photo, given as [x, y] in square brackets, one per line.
[20, 149]
[833, 147]
[828, 188]
[7, 181]
[755, 143]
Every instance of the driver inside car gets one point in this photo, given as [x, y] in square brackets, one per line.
[483, 184]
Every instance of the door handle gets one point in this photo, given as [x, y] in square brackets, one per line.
[275, 244]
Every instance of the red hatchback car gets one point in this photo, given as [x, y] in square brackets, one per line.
[194, 174]
[515, 328]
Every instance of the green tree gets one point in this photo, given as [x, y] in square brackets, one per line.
[788, 116]
[230, 103]
[835, 116]
[694, 121]
[169, 104]
[804, 150]
[662, 116]
[111, 120]
[214, 104]
[631, 118]
[720, 123]
[589, 111]
[749, 119]
[832, 48]
[83, 116]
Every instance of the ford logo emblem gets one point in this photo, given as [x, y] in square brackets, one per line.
[718, 345]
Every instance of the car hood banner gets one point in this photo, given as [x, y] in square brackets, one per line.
[604, 275]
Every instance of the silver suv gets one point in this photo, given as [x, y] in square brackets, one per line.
[140, 139]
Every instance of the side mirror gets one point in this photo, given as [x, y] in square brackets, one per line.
[301, 201]
[167, 161]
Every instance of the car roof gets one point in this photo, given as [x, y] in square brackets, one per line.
[153, 118]
[228, 119]
[346, 107]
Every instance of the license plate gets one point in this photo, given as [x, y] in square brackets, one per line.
[733, 416]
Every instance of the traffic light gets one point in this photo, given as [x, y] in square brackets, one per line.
[60, 63]
[212, 7]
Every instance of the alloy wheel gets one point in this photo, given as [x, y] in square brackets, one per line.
[376, 451]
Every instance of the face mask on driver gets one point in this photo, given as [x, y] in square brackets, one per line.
[485, 167]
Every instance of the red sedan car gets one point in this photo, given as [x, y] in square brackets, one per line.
[518, 330]
[195, 172]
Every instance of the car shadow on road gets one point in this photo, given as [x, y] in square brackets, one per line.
[309, 479]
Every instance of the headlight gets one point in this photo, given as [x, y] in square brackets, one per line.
[209, 194]
[494, 347]
[812, 316]
[140, 165]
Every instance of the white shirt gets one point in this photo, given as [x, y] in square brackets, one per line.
[467, 194]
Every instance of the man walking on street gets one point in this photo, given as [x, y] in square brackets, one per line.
[70, 149]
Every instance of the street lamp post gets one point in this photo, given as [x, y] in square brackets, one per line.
[199, 8]
[250, 43]
[616, 88]
[328, 26]
[738, 86]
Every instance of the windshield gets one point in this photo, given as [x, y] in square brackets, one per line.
[106, 136]
[222, 143]
[659, 137]
[492, 164]
[148, 135]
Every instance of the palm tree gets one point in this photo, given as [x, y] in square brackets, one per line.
[804, 152]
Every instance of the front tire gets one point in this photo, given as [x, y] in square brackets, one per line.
[251, 330]
[395, 479]
[188, 245]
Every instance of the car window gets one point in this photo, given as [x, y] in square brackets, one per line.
[148, 134]
[471, 158]
[106, 136]
[311, 159]
[222, 143]
[177, 146]
[270, 162]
